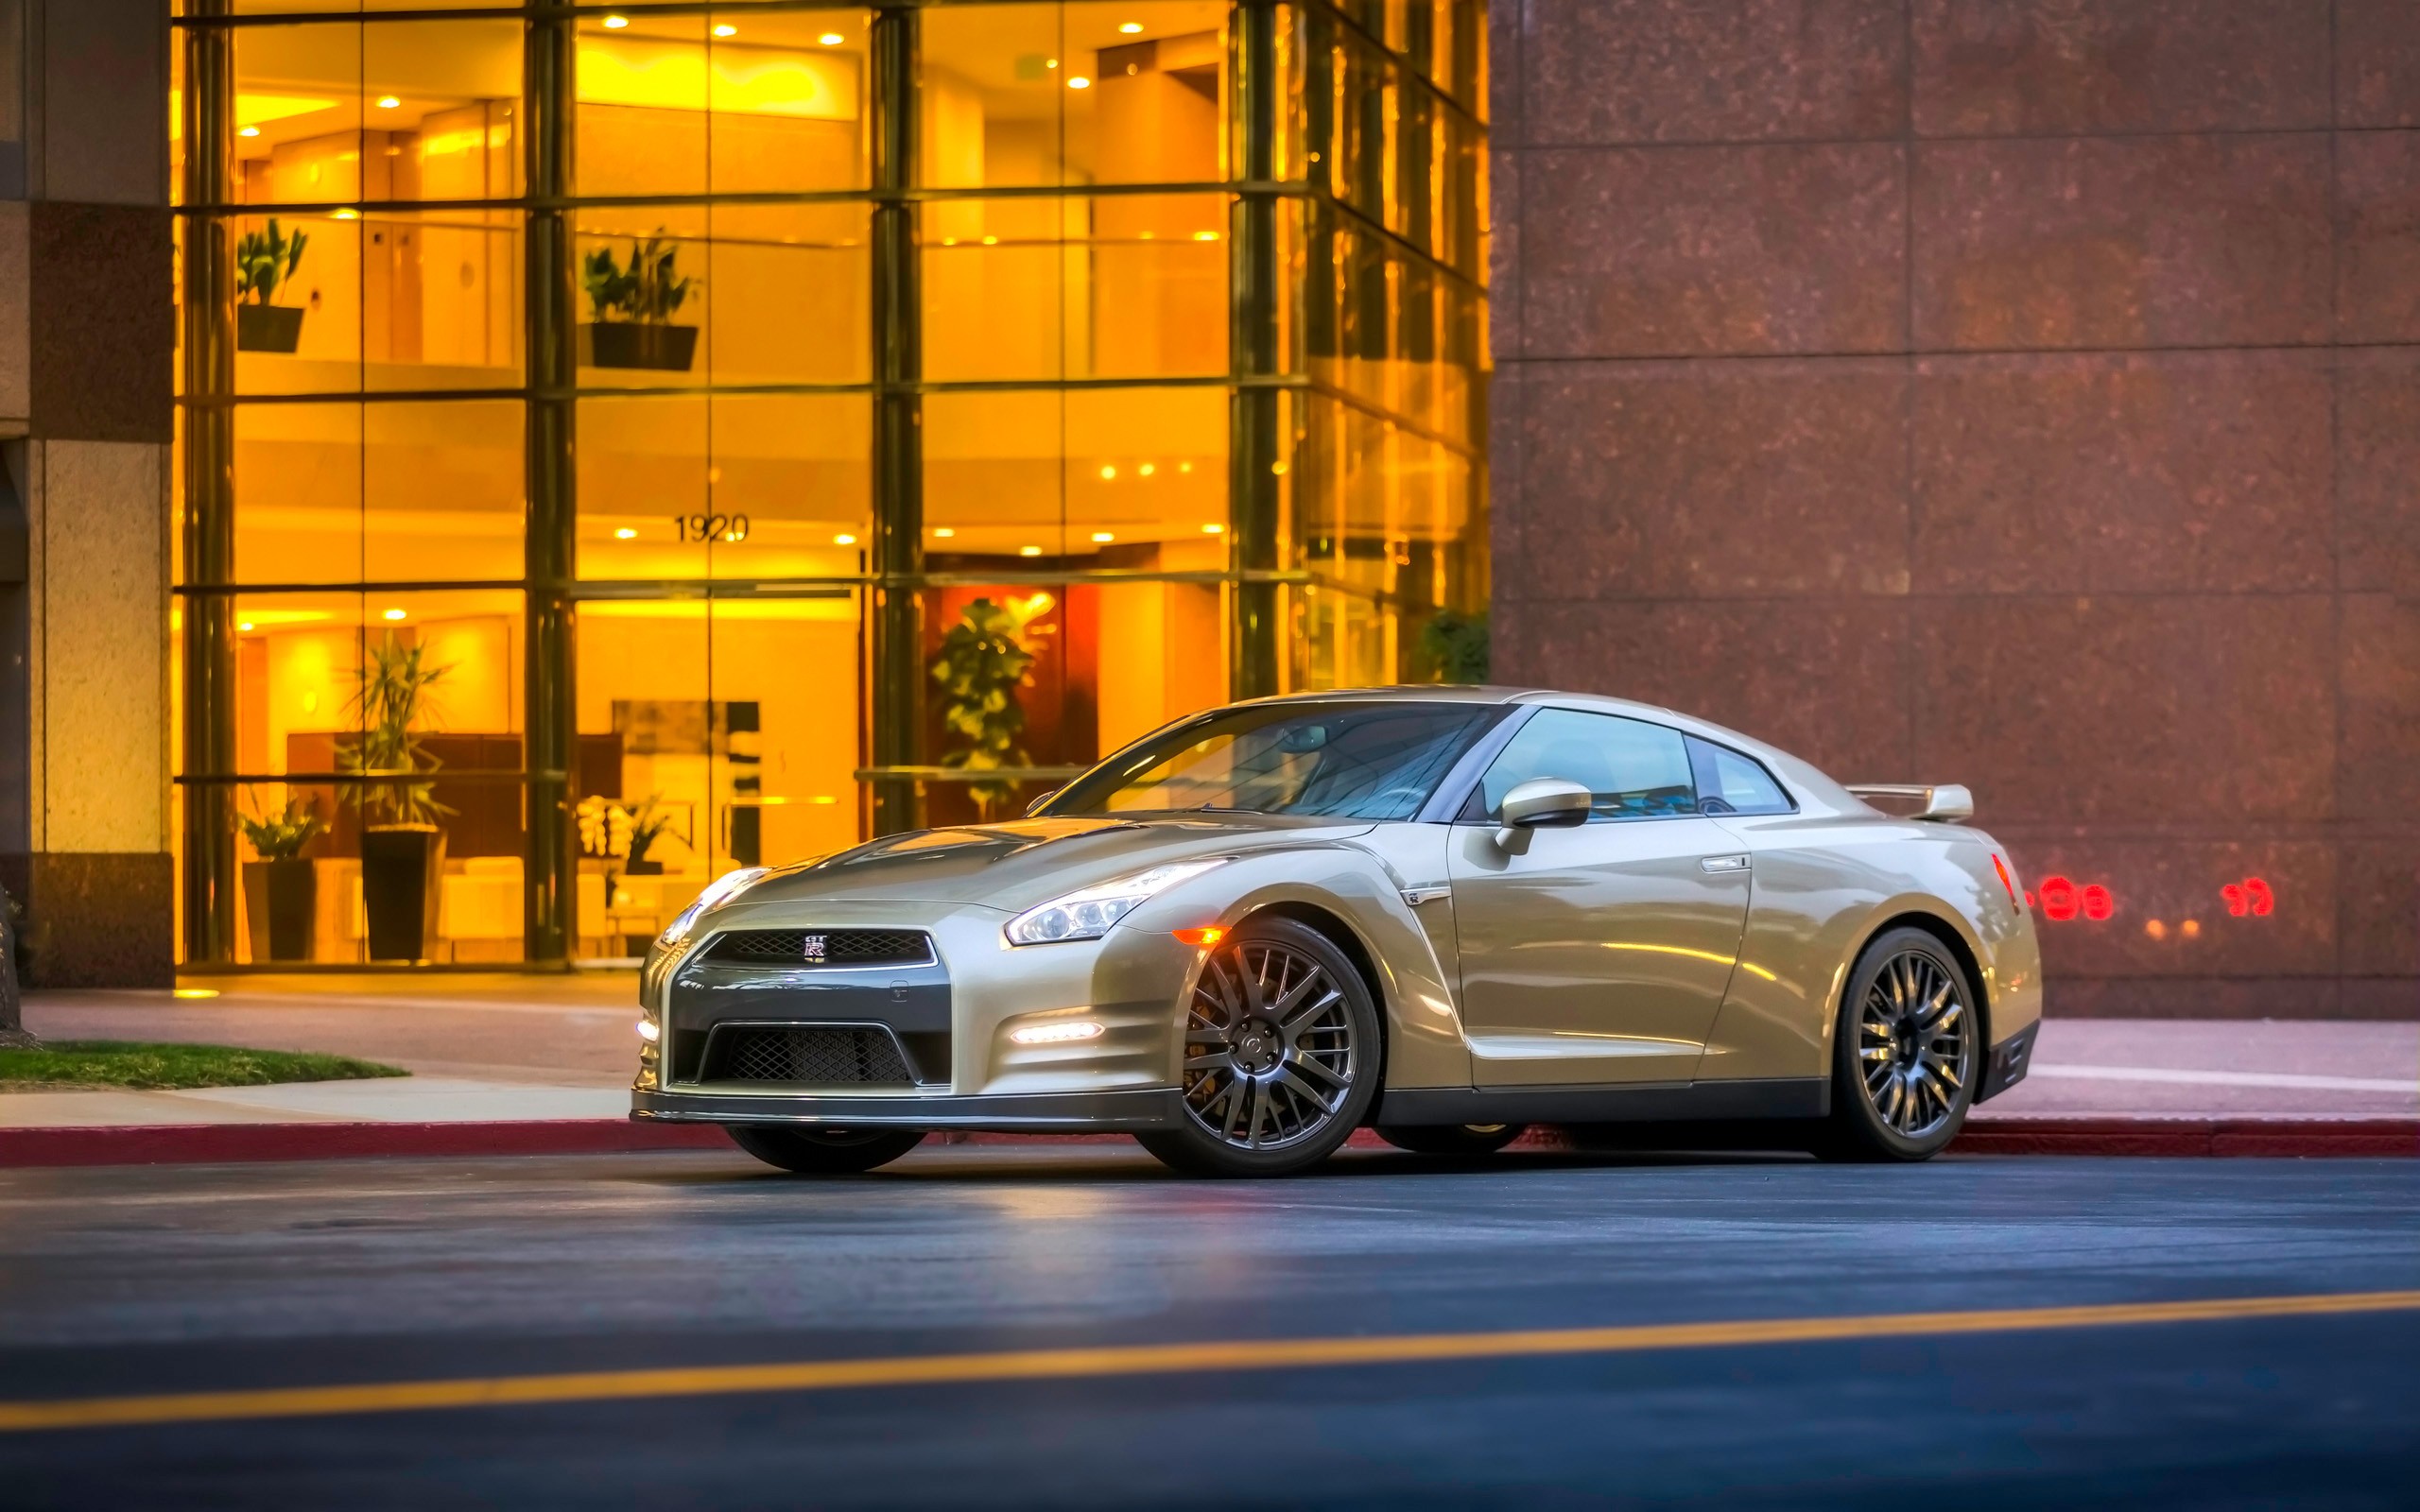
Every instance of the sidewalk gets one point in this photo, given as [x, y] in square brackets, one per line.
[543, 1063]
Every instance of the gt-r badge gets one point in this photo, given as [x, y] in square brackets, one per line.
[813, 948]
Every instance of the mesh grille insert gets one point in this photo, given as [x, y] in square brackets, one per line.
[822, 947]
[831, 1057]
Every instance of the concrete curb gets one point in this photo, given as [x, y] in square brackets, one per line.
[201, 1143]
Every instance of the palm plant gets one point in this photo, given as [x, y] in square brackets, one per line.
[983, 663]
[650, 290]
[282, 837]
[390, 704]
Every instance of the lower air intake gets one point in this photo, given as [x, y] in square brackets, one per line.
[824, 1056]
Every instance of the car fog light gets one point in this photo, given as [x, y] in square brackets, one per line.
[648, 1032]
[1055, 1034]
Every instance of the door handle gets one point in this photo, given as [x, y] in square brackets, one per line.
[1735, 863]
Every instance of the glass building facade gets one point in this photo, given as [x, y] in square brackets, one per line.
[617, 445]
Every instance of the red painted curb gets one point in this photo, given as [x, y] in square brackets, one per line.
[196, 1143]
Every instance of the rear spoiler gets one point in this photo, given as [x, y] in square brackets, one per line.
[1943, 803]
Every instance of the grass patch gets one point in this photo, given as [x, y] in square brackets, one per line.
[86, 1065]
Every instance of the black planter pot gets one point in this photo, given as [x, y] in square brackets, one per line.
[637, 344]
[643, 866]
[402, 867]
[268, 327]
[283, 899]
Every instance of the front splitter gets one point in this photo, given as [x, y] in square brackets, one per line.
[1048, 1113]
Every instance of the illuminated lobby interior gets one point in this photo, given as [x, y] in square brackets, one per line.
[1148, 336]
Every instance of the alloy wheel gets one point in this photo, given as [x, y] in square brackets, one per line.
[1915, 1044]
[1270, 1053]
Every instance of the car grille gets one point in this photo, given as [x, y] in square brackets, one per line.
[826, 1057]
[833, 947]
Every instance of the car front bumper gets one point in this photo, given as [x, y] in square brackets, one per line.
[1109, 1112]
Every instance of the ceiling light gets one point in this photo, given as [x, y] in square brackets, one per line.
[347, 215]
[395, 614]
[617, 22]
[244, 625]
[944, 532]
[991, 241]
[1050, 63]
[1130, 28]
[388, 102]
[830, 39]
[1146, 469]
[1109, 472]
[247, 130]
[625, 533]
[1214, 530]
[1029, 551]
[726, 29]
[1206, 235]
[1185, 467]
[1102, 538]
[1079, 81]
[844, 539]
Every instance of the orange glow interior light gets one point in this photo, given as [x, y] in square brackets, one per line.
[1205, 935]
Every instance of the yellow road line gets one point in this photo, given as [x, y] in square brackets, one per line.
[1137, 1359]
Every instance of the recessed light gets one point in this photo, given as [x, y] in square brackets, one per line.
[1185, 467]
[1130, 28]
[1146, 469]
[944, 532]
[1029, 551]
[247, 130]
[726, 29]
[1102, 538]
[991, 241]
[395, 614]
[1109, 472]
[346, 215]
[388, 102]
[625, 533]
[244, 625]
[617, 22]
[1079, 81]
[1206, 235]
[844, 539]
[830, 39]
[1214, 530]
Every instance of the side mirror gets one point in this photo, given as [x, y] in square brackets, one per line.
[1039, 799]
[1542, 802]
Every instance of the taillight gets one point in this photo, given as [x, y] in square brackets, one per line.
[2007, 880]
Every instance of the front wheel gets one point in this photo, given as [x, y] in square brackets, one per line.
[1451, 1138]
[1904, 1052]
[1281, 1056]
[824, 1152]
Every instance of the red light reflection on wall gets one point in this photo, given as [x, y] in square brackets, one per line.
[2063, 902]
[2250, 897]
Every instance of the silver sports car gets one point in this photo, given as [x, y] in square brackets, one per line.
[1448, 913]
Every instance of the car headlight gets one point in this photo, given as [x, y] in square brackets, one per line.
[718, 892]
[1086, 914]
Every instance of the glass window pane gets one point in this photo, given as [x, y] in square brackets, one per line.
[442, 302]
[791, 301]
[1134, 478]
[791, 473]
[443, 486]
[1633, 769]
[643, 95]
[787, 93]
[298, 492]
[299, 115]
[646, 503]
[647, 748]
[439, 99]
[298, 313]
[644, 303]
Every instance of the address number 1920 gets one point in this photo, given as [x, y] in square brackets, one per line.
[725, 528]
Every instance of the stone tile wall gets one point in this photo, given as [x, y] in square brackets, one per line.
[2017, 392]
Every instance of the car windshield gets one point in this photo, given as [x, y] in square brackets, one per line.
[1370, 760]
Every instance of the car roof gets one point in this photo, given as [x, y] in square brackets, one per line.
[1808, 780]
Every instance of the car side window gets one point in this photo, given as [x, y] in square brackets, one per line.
[1733, 783]
[1633, 769]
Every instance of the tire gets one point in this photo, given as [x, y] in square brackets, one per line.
[1905, 1053]
[1451, 1138]
[824, 1152]
[1281, 1056]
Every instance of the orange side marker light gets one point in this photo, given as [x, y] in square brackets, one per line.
[1206, 936]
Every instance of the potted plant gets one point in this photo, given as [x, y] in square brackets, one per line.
[403, 851]
[282, 888]
[983, 663]
[263, 261]
[632, 309]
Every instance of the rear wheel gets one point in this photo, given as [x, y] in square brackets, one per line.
[825, 1151]
[1904, 1052]
[1451, 1138]
[1281, 1056]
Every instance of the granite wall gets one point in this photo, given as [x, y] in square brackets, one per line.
[2023, 393]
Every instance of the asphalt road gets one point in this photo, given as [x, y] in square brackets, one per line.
[215, 1280]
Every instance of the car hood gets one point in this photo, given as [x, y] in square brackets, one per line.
[1020, 863]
